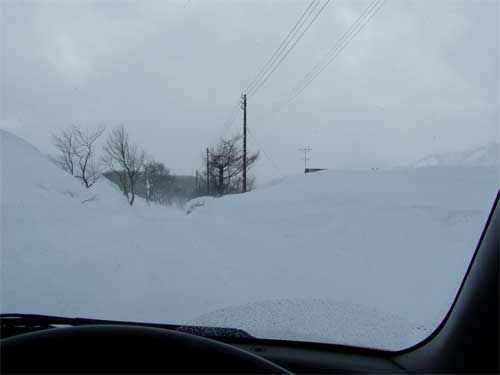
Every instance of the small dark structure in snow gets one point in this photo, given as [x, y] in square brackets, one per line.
[311, 170]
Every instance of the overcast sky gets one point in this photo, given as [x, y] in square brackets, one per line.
[421, 77]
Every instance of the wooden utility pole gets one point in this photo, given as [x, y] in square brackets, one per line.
[208, 174]
[197, 185]
[244, 107]
[305, 150]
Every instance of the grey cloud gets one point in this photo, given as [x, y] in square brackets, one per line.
[421, 77]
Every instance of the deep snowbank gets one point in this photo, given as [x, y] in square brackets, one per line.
[485, 156]
[369, 258]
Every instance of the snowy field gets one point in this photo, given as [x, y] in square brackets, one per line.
[366, 258]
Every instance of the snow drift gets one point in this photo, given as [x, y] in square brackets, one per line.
[366, 258]
[485, 156]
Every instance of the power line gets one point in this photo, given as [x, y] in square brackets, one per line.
[231, 116]
[234, 110]
[283, 57]
[342, 39]
[339, 46]
[250, 133]
[283, 44]
[278, 56]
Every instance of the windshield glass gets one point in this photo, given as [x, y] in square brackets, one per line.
[310, 170]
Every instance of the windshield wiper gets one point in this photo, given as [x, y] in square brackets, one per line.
[15, 324]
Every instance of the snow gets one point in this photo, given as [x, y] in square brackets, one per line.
[315, 320]
[364, 258]
[488, 155]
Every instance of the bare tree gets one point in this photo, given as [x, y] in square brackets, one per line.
[226, 165]
[125, 159]
[88, 169]
[156, 177]
[66, 146]
[77, 153]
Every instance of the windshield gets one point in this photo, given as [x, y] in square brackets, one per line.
[310, 170]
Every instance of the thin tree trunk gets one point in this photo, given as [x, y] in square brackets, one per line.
[221, 181]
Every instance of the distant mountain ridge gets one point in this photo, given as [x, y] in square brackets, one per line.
[484, 156]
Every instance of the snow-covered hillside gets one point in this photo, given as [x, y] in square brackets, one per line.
[367, 258]
[485, 156]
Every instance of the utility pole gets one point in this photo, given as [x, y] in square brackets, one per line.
[208, 174]
[244, 107]
[197, 185]
[305, 150]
